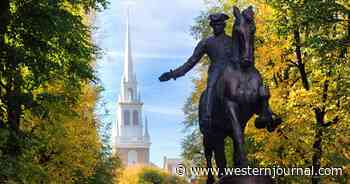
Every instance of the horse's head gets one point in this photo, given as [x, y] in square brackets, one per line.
[244, 30]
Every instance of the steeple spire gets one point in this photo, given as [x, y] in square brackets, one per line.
[128, 62]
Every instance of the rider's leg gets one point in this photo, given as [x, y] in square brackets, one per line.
[213, 76]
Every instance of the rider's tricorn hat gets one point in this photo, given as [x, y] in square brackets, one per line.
[218, 18]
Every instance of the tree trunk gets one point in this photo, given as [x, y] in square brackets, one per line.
[348, 25]
[300, 64]
[319, 113]
[11, 97]
[4, 21]
[316, 158]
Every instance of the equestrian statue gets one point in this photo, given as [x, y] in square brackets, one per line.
[235, 89]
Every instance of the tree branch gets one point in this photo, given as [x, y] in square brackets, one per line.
[293, 82]
[292, 62]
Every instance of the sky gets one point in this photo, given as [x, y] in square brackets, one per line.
[161, 40]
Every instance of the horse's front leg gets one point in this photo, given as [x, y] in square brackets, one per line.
[238, 137]
[208, 152]
[220, 157]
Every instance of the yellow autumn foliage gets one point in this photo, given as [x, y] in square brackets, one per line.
[68, 143]
[142, 174]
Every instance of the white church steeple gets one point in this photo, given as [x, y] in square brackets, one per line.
[128, 75]
[129, 83]
[130, 141]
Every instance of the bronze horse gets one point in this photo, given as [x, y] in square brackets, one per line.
[239, 94]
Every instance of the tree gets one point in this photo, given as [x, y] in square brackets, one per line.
[109, 165]
[318, 33]
[41, 42]
[62, 147]
[48, 129]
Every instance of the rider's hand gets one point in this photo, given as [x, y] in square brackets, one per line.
[165, 76]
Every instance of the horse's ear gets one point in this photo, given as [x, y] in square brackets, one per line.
[251, 8]
[249, 13]
[236, 12]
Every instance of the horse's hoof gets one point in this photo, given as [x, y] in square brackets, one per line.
[261, 122]
[270, 129]
[276, 121]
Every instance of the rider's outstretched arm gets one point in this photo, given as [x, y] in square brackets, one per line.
[198, 53]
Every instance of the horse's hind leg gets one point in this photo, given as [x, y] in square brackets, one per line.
[208, 152]
[240, 157]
